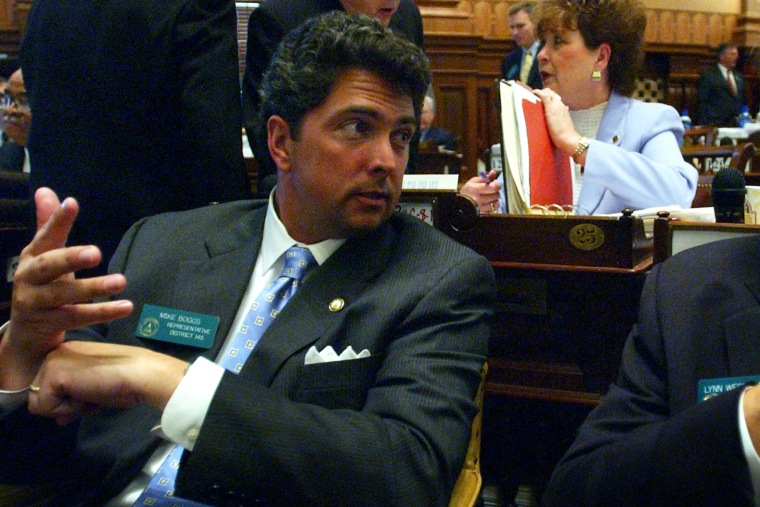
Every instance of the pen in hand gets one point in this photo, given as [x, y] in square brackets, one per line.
[484, 176]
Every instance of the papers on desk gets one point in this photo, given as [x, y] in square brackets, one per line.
[419, 204]
[430, 182]
[687, 215]
[738, 134]
[247, 151]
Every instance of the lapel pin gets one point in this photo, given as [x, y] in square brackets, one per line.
[336, 305]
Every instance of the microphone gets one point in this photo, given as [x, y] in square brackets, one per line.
[728, 191]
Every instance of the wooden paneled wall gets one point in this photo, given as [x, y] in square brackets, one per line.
[466, 40]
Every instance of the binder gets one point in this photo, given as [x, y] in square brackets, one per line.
[538, 177]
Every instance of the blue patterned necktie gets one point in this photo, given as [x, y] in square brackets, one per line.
[270, 301]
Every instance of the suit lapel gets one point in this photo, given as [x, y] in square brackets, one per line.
[611, 130]
[534, 76]
[216, 285]
[307, 319]
[612, 127]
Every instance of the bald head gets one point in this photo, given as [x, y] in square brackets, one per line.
[16, 79]
[379, 9]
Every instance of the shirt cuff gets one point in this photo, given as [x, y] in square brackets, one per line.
[186, 410]
[11, 400]
[753, 460]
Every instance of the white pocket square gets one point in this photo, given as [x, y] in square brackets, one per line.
[328, 354]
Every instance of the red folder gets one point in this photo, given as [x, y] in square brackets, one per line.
[550, 171]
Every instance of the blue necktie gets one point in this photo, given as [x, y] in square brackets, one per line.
[270, 301]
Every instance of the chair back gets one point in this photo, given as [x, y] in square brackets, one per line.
[741, 155]
[438, 162]
[467, 488]
[703, 135]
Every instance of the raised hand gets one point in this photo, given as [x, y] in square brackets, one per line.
[47, 299]
[558, 121]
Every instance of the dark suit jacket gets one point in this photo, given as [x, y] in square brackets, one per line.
[715, 103]
[136, 108]
[441, 137]
[11, 156]
[510, 69]
[268, 25]
[387, 430]
[649, 442]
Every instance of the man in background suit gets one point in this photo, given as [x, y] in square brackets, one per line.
[269, 23]
[340, 104]
[680, 426]
[524, 34]
[17, 118]
[429, 133]
[12, 156]
[136, 108]
[721, 90]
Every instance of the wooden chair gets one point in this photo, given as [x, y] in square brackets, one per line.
[740, 156]
[703, 135]
[672, 235]
[467, 487]
[16, 230]
[438, 162]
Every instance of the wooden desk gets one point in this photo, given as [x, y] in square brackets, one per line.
[568, 291]
[708, 159]
[438, 162]
[568, 295]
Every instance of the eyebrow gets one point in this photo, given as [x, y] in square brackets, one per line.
[368, 111]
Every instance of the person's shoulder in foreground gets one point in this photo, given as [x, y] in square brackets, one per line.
[668, 431]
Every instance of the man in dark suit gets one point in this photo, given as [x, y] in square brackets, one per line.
[524, 33]
[721, 90]
[136, 108]
[655, 439]
[12, 156]
[388, 428]
[17, 117]
[269, 23]
[428, 133]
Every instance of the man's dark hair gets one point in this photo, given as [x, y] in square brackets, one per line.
[521, 6]
[724, 46]
[310, 59]
[619, 23]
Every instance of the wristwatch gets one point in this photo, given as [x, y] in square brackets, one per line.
[582, 146]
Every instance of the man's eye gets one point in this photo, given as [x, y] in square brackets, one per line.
[355, 127]
[402, 138]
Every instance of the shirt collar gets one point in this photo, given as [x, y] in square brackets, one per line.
[276, 241]
[533, 49]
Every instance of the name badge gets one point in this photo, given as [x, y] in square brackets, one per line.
[707, 388]
[177, 326]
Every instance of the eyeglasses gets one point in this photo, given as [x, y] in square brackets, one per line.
[21, 101]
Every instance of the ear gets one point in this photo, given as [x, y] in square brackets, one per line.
[603, 58]
[278, 141]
